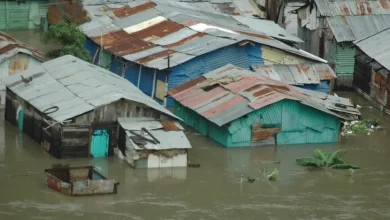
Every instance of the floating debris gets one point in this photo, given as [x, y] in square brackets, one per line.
[274, 175]
[79, 181]
[251, 179]
[351, 171]
[360, 127]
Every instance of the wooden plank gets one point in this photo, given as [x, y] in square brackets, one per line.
[259, 133]
[74, 142]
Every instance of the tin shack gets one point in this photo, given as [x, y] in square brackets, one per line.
[328, 29]
[317, 77]
[238, 108]
[152, 143]
[158, 45]
[71, 107]
[372, 69]
[15, 57]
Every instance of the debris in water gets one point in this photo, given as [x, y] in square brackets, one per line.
[274, 175]
[360, 127]
[193, 165]
[351, 171]
[79, 181]
[251, 179]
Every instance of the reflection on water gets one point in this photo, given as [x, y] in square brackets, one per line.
[31, 38]
[213, 191]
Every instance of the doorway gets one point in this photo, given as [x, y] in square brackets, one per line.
[100, 143]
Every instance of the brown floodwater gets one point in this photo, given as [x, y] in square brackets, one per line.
[213, 191]
[31, 38]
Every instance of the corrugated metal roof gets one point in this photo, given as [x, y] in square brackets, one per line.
[377, 47]
[230, 92]
[350, 28]
[10, 46]
[353, 7]
[75, 87]
[186, 32]
[269, 28]
[296, 74]
[168, 139]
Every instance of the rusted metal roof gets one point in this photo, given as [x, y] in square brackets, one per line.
[10, 46]
[230, 92]
[353, 7]
[296, 74]
[185, 33]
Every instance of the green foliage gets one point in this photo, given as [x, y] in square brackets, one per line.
[324, 159]
[274, 175]
[310, 161]
[351, 171]
[70, 39]
[251, 179]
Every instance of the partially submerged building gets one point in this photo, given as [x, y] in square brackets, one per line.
[318, 77]
[71, 107]
[14, 58]
[328, 29]
[372, 69]
[23, 14]
[238, 108]
[152, 143]
[158, 46]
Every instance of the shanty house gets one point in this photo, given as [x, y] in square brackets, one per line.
[238, 108]
[328, 29]
[21, 14]
[318, 77]
[151, 143]
[158, 46]
[372, 69]
[15, 57]
[71, 107]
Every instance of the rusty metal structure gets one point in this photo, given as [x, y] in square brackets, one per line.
[329, 28]
[372, 69]
[238, 108]
[158, 45]
[71, 107]
[79, 181]
[15, 57]
[318, 77]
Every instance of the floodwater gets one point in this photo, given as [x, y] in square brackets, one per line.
[213, 191]
[32, 38]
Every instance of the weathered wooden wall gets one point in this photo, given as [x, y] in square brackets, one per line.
[372, 81]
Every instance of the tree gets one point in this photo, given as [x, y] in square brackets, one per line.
[70, 39]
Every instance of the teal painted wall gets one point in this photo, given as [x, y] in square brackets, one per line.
[342, 56]
[22, 16]
[299, 124]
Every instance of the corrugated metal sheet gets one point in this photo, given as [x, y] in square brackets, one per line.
[377, 47]
[273, 56]
[27, 15]
[187, 33]
[350, 28]
[296, 74]
[352, 7]
[168, 139]
[230, 92]
[75, 87]
[269, 28]
[342, 58]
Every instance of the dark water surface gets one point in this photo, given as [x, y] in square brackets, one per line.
[213, 191]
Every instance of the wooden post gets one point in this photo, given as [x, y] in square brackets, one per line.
[154, 83]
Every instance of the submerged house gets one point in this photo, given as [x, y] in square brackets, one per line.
[238, 108]
[23, 14]
[317, 77]
[71, 107]
[14, 58]
[329, 28]
[372, 69]
[158, 46]
[152, 143]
